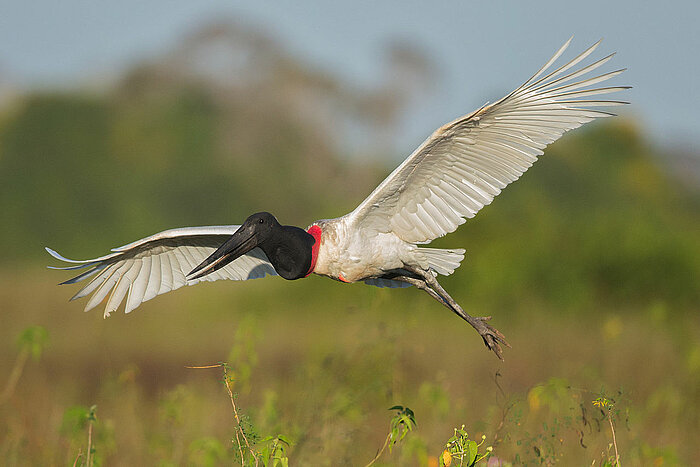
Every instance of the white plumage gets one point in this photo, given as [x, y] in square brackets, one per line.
[454, 173]
[463, 165]
[158, 264]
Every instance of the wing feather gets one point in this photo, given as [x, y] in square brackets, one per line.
[137, 290]
[154, 265]
[110, 282]
[95, 283]
[155, 278]
[188, 260]
[465, 164]
[124, 285]
[167, 281]
[179, 270]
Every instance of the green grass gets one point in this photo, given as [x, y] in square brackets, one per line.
[320, 363]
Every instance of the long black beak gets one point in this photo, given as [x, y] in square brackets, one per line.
[240, 243]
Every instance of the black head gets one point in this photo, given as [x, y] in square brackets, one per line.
[257, 229]
[288, 248]
[261, 225]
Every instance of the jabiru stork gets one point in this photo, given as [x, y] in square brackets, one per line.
[458, 170]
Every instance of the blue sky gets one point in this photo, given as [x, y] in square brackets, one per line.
[482, 49]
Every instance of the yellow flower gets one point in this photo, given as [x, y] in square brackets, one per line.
[601, 402]
[446, 458]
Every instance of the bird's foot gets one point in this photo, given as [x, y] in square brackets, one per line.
[493, 338]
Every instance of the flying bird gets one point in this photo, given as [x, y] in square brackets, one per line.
[457, 171]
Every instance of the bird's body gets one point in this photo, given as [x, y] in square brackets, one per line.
[458, 170]
[348, 254]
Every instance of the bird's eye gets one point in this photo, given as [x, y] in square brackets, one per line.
[261, 221]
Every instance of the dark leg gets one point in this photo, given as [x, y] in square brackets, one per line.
[426, 281]
[420, 284]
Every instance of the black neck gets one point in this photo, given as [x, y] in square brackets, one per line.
[289, 250]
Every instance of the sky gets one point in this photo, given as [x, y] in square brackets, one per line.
[482, 49]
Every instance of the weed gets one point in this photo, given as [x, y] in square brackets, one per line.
[75, 421]
[466, 451]
[271, 451]
[401, 423]
[606, 406]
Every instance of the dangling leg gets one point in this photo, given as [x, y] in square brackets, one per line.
[420, 284]
[426, 281]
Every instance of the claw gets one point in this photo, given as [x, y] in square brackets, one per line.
[492, 337]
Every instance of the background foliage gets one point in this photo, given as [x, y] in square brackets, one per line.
[589, 265]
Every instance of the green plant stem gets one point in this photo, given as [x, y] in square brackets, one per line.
[612, 429]
[89, 446]
[386, 443]
[240, 446]
[80, 454]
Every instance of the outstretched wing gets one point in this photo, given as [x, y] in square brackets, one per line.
[466, 163]
[158, 264]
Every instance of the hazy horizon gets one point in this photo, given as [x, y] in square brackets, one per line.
[48, 45]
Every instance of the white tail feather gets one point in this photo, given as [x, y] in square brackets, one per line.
[443, 261]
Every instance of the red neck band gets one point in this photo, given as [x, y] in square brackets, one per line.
[315, 232]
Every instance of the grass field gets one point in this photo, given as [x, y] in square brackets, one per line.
[321, 362]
